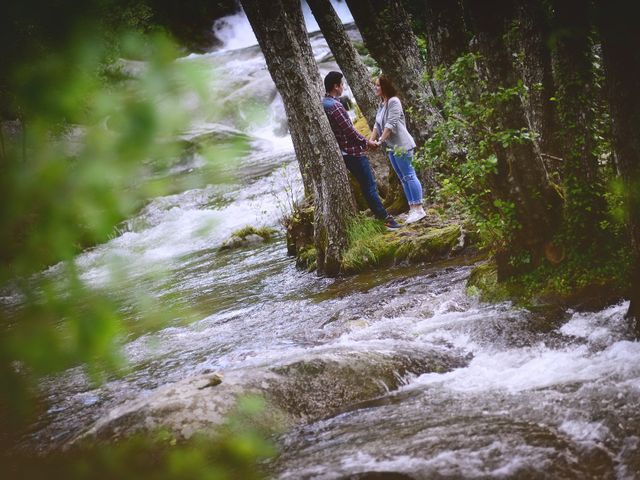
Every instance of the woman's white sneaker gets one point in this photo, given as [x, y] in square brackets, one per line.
[415, 215]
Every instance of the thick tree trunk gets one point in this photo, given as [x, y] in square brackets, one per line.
[386, 30]
[521, 175]
[354, 70]
[537, 74]
[441, 22]
[585, 206]
[447, 36]
[283, 40]
[618, 25]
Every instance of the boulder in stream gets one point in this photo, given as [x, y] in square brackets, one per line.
[297, 389]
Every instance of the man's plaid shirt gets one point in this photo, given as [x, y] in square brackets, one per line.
[349, 140]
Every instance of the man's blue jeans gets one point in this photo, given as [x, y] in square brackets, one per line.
[361, 170]
[401, 163]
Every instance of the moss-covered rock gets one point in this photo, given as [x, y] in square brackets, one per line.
[307, 258]
[430, 244]
[248, 236]
[420, 242]
[371, 245]
[299, 229]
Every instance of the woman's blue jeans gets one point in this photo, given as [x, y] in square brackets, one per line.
[361, 170]
[401, 163]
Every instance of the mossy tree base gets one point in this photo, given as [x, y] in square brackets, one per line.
[427, 240]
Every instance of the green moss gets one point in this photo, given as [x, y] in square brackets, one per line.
[360, 48]
[367, 244]
[307, 258]
[371, 245]
[483, 283]
[435, 242]
[264, 232]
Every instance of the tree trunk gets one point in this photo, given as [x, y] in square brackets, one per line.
[386, 30]
[441, 22]
[286, 48]
[620, 37]
[354, 70]
[521, 176]
[447, 36]
[537, 74]
[585, 206]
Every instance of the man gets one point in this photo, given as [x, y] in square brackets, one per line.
[353, 147]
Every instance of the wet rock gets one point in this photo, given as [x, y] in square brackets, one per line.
[312, 388]
[298, 389]
[210, 134]
[247, 237]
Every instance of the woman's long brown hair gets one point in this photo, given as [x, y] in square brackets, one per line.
[387, 88]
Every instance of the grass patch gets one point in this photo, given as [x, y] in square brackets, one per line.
[367, 244]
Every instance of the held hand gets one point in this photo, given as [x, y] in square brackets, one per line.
[373, 144]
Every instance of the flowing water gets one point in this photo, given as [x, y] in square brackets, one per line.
[535, 397]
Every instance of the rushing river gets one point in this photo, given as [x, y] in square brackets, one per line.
[535, 396]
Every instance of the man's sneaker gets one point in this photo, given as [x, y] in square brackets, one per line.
[391, 223]
[415, 215]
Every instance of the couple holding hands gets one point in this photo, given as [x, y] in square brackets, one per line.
[390, 132]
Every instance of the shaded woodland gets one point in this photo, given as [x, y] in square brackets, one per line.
[526, 115]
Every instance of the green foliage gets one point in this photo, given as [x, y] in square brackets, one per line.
[84, 155]
[472, 128]
[360, 48]
[308, 258]
[237, 450]
[579, 278]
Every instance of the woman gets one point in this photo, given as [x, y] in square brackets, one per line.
[391, 129]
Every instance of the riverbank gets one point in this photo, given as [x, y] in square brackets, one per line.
[586, 283]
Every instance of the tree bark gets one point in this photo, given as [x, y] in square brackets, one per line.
[354, 70]
[584, 206]
[445, 31]
[386, 30]
[441, 22]
[286, 48]
[620, 35]
[537, 74]
[521, 176]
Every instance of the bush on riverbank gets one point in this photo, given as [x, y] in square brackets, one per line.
[578, 282]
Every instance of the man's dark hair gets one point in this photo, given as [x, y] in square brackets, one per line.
[332, 79]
